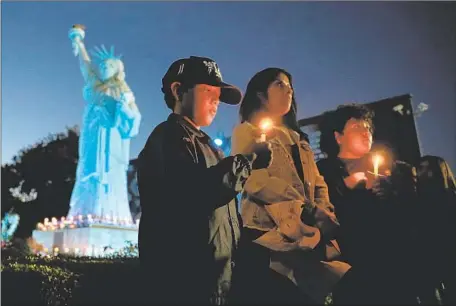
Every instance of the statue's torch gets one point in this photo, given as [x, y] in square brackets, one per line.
[76, 35]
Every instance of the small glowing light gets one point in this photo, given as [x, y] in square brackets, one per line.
[66, 250]
[45, 250]
[377, 159]
[80, 217]
[218, 142]
[62, 219]
[46, 220]
[265, 126]
[56, 250]
[76, 250]
[54, 220]
[62, 225]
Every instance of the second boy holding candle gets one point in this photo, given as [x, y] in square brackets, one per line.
[375, 226]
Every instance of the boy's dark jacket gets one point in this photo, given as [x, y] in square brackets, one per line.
[189, 218]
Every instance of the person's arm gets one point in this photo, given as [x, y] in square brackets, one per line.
[321, 189]
[351, 204]
[334, 180]
[190, 184]
[76, 35]
[261, 185]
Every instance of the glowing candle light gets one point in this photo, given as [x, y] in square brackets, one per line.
[265, 126]
[377, 160]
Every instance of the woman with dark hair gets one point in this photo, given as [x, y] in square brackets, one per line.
[287, 246]
[436, 188]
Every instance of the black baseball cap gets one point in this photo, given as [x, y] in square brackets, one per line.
[200, 70]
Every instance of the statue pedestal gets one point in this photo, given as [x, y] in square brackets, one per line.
[91, 240]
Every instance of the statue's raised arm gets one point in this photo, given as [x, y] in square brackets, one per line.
[77, 35]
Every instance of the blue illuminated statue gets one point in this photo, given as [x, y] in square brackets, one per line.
[9, 225]
[111, 118]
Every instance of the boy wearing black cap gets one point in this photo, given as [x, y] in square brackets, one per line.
[189, 226]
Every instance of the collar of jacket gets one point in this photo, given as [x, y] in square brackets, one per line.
[187, 125]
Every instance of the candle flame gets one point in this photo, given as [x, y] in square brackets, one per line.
[265, 124]
[377, 160]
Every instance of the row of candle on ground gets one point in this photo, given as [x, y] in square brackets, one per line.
[72, 223]
[86, 251]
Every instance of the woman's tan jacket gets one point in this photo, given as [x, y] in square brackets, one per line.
[272, 202]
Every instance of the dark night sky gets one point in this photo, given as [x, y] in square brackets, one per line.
[336, 52]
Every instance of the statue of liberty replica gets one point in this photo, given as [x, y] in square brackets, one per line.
[110, 119]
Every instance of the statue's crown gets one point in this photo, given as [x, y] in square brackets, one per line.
[101, 54]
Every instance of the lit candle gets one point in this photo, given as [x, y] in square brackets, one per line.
[265, 125]
[377, 160]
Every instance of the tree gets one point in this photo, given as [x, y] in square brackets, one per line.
[42, 178]
[10, 179]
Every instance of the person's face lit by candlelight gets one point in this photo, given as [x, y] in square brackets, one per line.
[270, 95]
[278, 97]
[356, 139]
